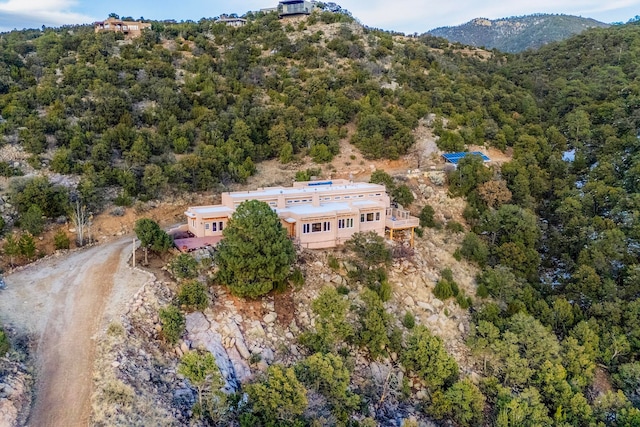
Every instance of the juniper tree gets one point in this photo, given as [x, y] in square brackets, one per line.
[151, 236]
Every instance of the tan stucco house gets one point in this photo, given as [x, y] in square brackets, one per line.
[316, 214]
[128, 28]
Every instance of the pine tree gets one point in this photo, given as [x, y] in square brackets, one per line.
[27, 246]
[11, 248]
[255, 253]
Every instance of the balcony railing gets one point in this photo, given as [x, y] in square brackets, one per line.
[399, 218]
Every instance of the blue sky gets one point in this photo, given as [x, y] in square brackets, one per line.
[407, 16]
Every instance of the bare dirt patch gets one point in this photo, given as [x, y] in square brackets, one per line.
[285, 306]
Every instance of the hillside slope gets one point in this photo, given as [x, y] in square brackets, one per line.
[549, 327]
[516, 34]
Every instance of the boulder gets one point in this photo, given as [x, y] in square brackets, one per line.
[144, 376]
[256, 331]
[379, 372]
[270, 317]
[197, 323]
[426, 306]
[240, 344]
[433, 318]
[184, 397]
[267, 355]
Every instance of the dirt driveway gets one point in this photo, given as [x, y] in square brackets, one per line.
[65, 302]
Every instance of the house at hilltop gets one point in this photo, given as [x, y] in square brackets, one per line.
[232, 21]
[295, 7]
[130, 29]
[316, 214]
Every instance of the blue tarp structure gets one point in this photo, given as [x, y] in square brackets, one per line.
[455, 157]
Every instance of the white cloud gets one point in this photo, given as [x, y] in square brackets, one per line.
[35, 13]
[400, 15]
[420, 16]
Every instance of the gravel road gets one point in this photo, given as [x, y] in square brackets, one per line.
[65, 302]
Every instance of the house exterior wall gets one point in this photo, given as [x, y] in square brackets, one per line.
[207, 221]
[316, 214]
[233, 22]
[292, 7]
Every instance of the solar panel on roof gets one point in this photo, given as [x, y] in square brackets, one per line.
[455, 157]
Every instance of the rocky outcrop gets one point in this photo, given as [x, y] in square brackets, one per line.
[15, 395]
[136, 380]
[16, 381]
[206, 333]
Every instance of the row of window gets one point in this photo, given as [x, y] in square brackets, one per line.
[326, 199]
[214, 226]
[369, 217]
[345, 223]
[273, 204]
[317, 227]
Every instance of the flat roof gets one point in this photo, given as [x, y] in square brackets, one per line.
[331, 208]
[456, 157]
[368, 204]
[208, 210]
[309, 209]
[308, 190]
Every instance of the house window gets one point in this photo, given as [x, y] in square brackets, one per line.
[347, 197]
[360, 196]
[305, 228]
[326, 226]
[193, 222]
[316, 227]
[370, 217]
[345, 223]
[220, 225]
[206, 226]
[214, 226]
[336, 198]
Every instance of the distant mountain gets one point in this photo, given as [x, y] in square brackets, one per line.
[516, 34]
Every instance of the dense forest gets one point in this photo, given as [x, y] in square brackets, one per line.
[517, 33]
[555, 232]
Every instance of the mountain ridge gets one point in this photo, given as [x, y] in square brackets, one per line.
[517, 33]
